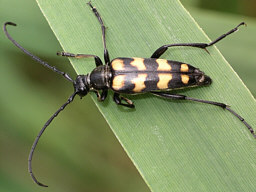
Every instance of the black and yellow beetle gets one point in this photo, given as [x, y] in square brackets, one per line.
[132, 76]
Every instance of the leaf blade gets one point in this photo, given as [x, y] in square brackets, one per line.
[146, 133]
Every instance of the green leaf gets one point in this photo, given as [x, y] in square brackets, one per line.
[243, 44]
[175, 145]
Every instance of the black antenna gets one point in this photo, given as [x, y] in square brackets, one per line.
[33, 56]
[70, 99]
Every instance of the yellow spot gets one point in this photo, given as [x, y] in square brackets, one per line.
[118, 82]
[118, 64]
[184, 68]
[163, 65]
[164, 79]
[139, 83]
[139, 63]
[185, 79]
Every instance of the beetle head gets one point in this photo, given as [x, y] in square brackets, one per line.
[81, 85]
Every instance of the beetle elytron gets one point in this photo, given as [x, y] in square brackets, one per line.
[130, 76]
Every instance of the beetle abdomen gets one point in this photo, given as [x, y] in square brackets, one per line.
[137, 75]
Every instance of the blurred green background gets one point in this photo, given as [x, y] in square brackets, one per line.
[87, 157]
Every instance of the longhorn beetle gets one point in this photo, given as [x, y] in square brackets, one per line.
[131, 76]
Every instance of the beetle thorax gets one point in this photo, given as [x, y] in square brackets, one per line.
[99, 77]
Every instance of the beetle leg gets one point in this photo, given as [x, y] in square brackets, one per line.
[118, 100]
[163, 48]
[98, 62]
[101, 96]
[103, 30]
[104, 94]
[222, 105]
[97, 93]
